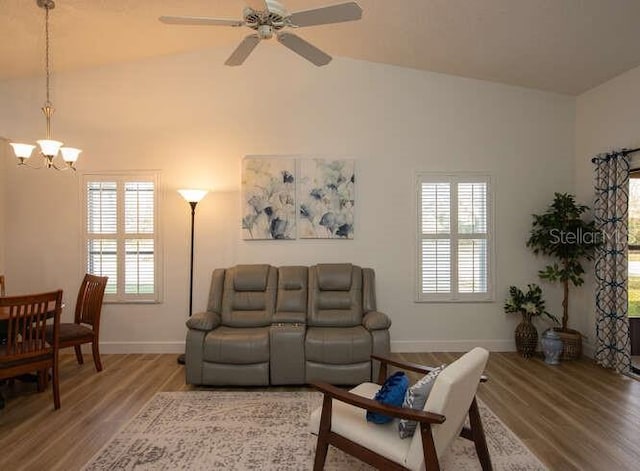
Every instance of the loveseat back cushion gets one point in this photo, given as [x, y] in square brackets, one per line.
[249, 295]
[293, 289]
[335, 295]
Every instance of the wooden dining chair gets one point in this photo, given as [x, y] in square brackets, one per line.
[2, 287]
[27, 348]
[86, 325]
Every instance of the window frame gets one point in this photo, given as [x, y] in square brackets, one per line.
[454, 237]
[121, 178]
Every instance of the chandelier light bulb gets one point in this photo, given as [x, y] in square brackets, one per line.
[49, 147]
[70, 154]
[22, 151]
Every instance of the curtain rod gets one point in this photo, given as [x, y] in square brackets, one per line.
[606, 157]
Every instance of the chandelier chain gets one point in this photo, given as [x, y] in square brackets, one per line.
[46, 30]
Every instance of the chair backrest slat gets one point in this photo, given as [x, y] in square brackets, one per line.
[26, 318]
[89, 302]
[2, 286]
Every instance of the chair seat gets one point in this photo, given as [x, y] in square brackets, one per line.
[70, 331]
[350, 422]
[240, 346]
[338, 345]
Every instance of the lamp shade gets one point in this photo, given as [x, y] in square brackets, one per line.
[22, 151]
[70, 154]
[192, 195]
[49, 147]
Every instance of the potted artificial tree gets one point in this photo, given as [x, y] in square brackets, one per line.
[529, 304]
[561, 233]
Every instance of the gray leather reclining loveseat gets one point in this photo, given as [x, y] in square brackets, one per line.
[288, 325]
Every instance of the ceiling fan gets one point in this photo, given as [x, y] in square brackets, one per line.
[269, 17]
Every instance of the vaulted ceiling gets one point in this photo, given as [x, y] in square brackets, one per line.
[565, 46]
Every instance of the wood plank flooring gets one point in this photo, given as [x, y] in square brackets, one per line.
[575, 416]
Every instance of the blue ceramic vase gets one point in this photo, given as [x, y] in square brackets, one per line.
[551, 347]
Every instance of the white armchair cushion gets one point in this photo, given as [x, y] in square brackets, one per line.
[350, 422]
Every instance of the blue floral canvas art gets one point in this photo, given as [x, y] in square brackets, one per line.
[326, 199]
[268, 198]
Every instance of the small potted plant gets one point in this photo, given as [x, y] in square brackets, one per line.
[530, 304]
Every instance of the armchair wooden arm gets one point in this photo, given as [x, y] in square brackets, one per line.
[405, 365]
[372, 405]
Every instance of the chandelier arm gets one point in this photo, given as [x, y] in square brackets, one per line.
[67, 166]
[22, 162]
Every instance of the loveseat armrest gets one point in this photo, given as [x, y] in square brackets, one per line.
[375, 320]
[204, 321]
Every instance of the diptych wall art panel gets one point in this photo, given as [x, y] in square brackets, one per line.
[309, 198]
[326, 199]
[268, 198]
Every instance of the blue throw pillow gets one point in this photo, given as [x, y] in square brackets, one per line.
[391, 393]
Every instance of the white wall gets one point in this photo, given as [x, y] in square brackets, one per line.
[195, 119]
[3, 191]
[607, 118]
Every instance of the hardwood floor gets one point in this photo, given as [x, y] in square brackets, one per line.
[575, 416]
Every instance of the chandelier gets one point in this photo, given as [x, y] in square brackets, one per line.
[48, 148]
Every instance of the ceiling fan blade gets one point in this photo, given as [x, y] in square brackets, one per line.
[305, 49]
[349, 11]
[199, 20]
[243, 50]
[257, 5]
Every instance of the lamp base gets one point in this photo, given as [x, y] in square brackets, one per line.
[181, 359]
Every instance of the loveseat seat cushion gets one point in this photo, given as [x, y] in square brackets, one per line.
[237, 345]
[338, 345]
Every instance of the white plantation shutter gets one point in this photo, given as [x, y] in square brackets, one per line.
[454, 261]
[121, 235]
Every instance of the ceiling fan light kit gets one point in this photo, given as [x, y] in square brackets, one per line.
[269, 18]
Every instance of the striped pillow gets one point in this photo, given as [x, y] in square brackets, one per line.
[416, 398]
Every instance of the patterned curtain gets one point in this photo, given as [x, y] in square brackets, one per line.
[611, 207]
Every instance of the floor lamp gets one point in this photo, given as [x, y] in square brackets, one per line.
[192, 197]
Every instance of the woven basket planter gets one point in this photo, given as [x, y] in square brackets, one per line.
[572, 343]
[526, 336]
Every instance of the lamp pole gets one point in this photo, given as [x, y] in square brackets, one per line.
[193, 218]
[192, 197]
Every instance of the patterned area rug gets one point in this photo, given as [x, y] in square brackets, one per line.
[230, 430]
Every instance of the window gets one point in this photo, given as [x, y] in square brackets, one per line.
[454, 238]
[121, 235]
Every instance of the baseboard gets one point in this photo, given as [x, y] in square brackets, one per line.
[396, 346]
[140, 347]
[409, 346]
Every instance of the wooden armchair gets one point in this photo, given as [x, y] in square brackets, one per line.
[27, 349]
[86, 325]
[341, 421]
